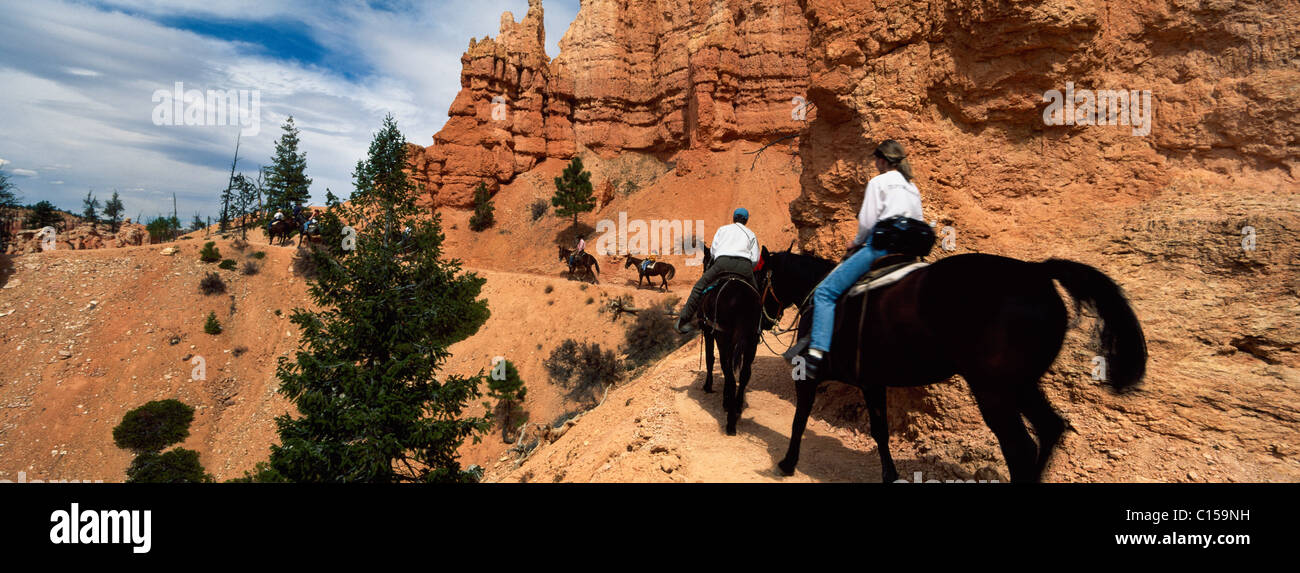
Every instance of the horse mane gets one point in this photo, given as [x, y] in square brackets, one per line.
[808, 265]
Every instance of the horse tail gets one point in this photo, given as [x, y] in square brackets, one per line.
[1122, 341]
[672, 271]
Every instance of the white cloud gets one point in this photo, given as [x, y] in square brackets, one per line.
[79, 79]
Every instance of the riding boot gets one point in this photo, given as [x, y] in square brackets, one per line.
[814, 367]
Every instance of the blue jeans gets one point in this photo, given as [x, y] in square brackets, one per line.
[834, 285]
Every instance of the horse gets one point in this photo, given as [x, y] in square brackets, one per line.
[731, 314]
[313, 237]
[583, 260]
[656, 269]
[284, 229]
[998, 322]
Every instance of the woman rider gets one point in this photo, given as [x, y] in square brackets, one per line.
[889, 194]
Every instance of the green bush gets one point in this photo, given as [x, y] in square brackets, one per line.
[505, 385]
[653, 334]
[212, 326]
[175, 466]
[209, 253]
[538, 208]
[259, 255]
[250, 268]
[227, 264]
[583, 369]
[154, 426]
[212, 284]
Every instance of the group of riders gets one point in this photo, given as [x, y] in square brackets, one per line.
[735, 250]
[308, 223]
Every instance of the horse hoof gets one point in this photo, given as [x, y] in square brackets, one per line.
[787, 469]
[731, 430]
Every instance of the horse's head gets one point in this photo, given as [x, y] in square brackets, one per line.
[708, 256]
[562, 251]
[789, 278]
[627, 260]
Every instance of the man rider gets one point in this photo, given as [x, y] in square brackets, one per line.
[735, 250]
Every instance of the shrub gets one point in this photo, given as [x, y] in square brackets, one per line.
[212, 326]
[239, 245]
[238, 351]
[209, 253]
[538, 208]
[549, 289]
[250, 268]
[212, 284]
[154, 426]
[259, 255]
[653, 334]
[482, 217]
[261, 473]
[176, 466]
[227, 264]
[583, 369]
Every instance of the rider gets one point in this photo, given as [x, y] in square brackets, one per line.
[889, 194]
[735, 250]
[279, 216]
[582, 247]
[297, 211]
[309, 226]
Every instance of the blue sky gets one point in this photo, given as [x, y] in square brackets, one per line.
[77, 111]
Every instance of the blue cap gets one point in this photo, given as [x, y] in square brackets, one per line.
[741, 212]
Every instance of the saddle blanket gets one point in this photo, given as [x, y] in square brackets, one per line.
[886, 277]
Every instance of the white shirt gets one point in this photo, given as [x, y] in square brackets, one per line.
[735, 240]
[888, 194]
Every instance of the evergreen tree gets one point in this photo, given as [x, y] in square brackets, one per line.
[286, 179]
[483, 208]
[114, 210]
[8, 210]
[573, 191]
[505, 385]
[363, 379]
[197, 223]
[91, 206]
[43, 214]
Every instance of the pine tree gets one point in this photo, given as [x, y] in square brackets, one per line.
[197, 223]
[363, 381]
[91, 205]
[114, 209]
[483, 208]
[286, 179]
[43, 214]
[573, 191]
[505, 385]
[227, 196]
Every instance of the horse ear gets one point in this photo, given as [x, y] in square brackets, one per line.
[791, 247]
[764, 251]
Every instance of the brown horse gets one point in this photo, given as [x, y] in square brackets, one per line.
[283, 229]
[650, 271]
[583, 260]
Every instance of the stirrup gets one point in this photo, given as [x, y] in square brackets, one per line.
[796, 349]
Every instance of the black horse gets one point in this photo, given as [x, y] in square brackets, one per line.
[583, 260]
[283, 229]
[996, 321]
[648, 272]
[730, 313]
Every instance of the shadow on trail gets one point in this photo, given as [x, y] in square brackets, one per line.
[823, 458]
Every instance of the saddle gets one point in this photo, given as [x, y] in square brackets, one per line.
[703, 316]
[886, 271]
[646, 265]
